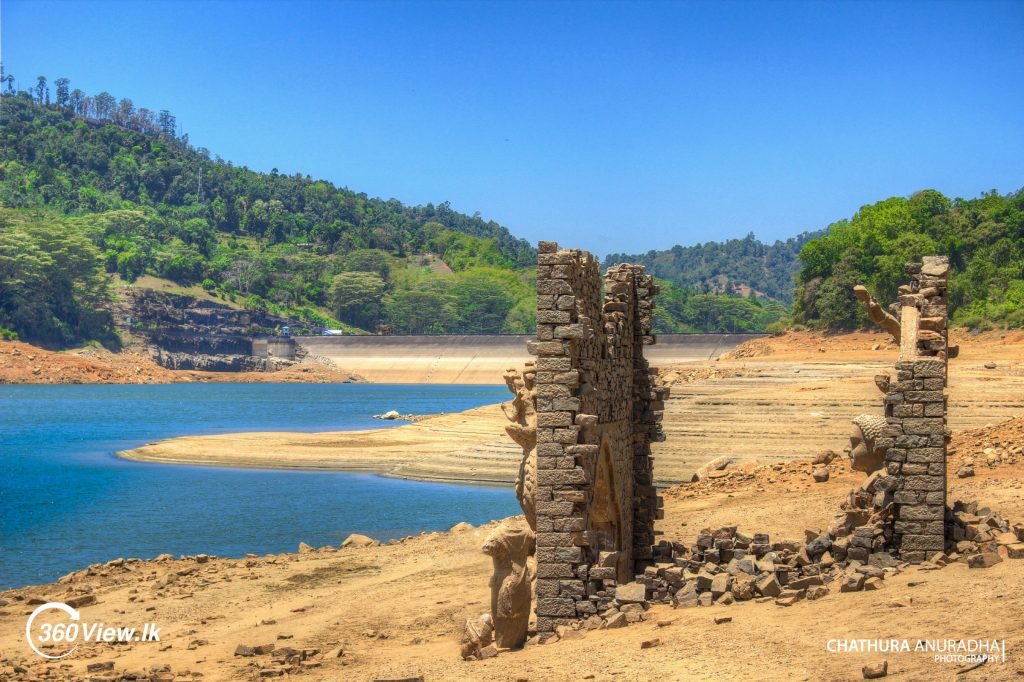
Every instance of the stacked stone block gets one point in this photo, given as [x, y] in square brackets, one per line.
[915, 408]
[598, 409]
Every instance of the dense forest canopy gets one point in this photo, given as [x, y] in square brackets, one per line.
[983, 237]
[150, 204]
[728, 267]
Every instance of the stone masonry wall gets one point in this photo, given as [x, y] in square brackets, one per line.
[915, 408]
[598, 411]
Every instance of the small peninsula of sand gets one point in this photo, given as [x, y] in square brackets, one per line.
[468, 446]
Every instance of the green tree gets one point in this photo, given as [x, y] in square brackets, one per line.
[369, 260]
[356, 297]
[421, 312]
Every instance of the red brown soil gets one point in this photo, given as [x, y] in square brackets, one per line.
[21, 363]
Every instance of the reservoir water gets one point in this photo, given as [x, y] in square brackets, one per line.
[66, 501]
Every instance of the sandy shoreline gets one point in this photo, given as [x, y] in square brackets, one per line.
[465, 447]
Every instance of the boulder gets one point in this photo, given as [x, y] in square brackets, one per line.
[357, 540]
[874, 671]
[769, 586]
[631, 593]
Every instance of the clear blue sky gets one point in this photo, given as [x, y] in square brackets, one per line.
[611, 126]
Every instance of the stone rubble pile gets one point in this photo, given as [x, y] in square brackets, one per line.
[725, 565]
[980, 537]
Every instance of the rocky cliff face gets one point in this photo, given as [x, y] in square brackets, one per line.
[183, 332]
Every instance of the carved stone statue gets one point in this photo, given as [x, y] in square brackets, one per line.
[510, 547]
[864, 455]
[883, 319]
[478, 635]
[521, 411]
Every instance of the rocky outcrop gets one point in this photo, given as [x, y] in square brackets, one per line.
[185, 333]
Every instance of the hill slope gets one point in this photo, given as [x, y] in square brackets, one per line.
[135, 199]
[983, 237]
[740, 266]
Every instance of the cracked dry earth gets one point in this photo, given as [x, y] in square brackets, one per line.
[396, 611]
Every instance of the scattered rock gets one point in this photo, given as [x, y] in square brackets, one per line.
[631, 593]
[984, 560]
[719, 620]
[565, 632]
[358, 540]
[820, 475]
[966, 471]
[874, 671]
[650, 643]
[616, 621]
[825, 457]
[79, 602]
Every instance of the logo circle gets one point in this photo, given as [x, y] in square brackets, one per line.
[60, 606]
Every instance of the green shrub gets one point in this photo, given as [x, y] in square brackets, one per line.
[779, 327]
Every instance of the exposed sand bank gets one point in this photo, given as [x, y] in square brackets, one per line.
[465, 446]
[788, 403]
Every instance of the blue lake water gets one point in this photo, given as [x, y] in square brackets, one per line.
[66, 501]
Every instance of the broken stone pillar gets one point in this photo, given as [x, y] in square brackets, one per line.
[597, 412]
[915, 407]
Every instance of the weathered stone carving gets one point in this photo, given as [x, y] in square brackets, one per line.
[510, 547]
[875, 312]
[478, 635]
[910, 442]
[864, 453]
[521, 411]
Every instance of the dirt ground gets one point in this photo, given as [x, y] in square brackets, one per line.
[396, 611]
[21, 363]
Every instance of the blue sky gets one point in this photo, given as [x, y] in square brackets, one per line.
[610, 126]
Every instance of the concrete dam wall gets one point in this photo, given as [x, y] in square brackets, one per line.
[479, 359]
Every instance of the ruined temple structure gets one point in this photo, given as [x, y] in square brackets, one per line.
[585, 413]
[907, 452]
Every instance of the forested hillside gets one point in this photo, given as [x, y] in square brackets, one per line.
[740, 266]
[983, 237]
[95, 191]
[122, 186]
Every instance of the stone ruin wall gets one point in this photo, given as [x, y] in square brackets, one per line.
[598, 411]
[915, 409]
[586, 412]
